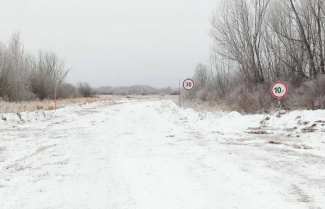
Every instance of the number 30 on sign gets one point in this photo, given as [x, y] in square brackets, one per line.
[279, 90]
[188, 84]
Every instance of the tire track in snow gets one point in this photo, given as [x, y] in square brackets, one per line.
[137, 154]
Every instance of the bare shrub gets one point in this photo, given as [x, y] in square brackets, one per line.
[310, 94]
[174, 92]
[202, 95]
[189, 95]
[66, 91]
[86, 90]
[250, 99]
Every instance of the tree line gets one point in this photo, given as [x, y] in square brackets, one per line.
[24, 76]
[135, 90]
[257, 42]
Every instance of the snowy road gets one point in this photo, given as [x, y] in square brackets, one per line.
[148, 154]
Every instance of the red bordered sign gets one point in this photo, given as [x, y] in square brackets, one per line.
[279, 90]
[188, 84]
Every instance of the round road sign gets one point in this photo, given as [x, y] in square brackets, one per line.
[279, 90]
[188, 84]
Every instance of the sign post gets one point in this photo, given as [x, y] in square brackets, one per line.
[55, 94]
[279, 90]
[179, 94]
[188, 84]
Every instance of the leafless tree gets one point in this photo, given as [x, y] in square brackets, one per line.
[23, 77]
[201, 75]
[299, 25]
[261, 41]
[14, 70]
[86, 90]
[237, 28]
[49, 71]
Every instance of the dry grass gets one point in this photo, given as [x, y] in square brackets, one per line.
[199, 105]
[16, 107]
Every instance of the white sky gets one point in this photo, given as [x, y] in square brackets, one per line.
[115, 42]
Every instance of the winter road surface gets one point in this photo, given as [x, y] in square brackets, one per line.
[148, 154]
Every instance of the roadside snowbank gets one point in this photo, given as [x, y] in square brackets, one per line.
[303, 121]
[40, 115]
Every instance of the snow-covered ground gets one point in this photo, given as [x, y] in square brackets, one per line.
[149, 154]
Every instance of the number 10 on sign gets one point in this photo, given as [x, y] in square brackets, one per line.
[279, 90]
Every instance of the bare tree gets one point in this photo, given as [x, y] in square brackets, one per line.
[14, 71]
[237, 31]
[2, 71]
[261, 41]
[49, 70]
[86, 90]
[299, 25]
[201, 74]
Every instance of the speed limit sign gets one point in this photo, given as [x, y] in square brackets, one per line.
[188, 84]
[279, 90]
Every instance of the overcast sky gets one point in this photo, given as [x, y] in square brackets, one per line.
[115, 42]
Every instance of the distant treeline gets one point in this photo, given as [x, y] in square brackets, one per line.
[135, 90]
[24, 76]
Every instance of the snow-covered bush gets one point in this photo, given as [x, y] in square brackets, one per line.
[310, 95]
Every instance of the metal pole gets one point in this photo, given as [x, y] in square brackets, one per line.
[179, 94]
[56, 87]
